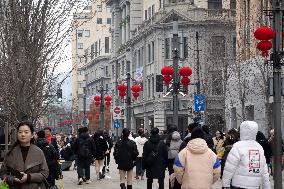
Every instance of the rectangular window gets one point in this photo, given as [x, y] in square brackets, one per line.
[146, 15]
[217, 84]
[232, 4]
[153, 9]
[214, 4]
[138, 59]
[149, 53]
[92, 51]
[153, 87]
[185, 47]
[108, 20]
[80, 33]
[113, 71]
[234, 46]
[122, 68]
[107, 71]
[80, 46]
[99, 50]
[249, 110]
[99, 20]
[99, 8]
[106, 44]
[87, 33]
[96, 49]
[218, 46]
[153, 51]
[149, 13]
[167, 48]
[149, 89]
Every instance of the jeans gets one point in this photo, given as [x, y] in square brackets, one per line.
[139, 170]
[81, 167]
[150, 182]
[51, 179]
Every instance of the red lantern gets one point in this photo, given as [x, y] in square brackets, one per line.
[186, 71]
[167, 70]
[121, 87]
[97, 116]
[108, 98]
[135, 95]
[264, 45]
[167, 78]
[97, 98]
[108, 103]
[185, 81]
[136, 88]
[97, 103]
[264, 53]
[122, 94]
[264, 33]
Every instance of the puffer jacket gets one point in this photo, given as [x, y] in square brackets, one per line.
[175, 143]
[140, 141]
[197, 166]
[246, 165]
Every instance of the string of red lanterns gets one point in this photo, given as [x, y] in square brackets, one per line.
[264, 34]
[168, 71]
[122, 90]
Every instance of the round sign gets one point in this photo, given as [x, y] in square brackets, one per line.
[117, 110]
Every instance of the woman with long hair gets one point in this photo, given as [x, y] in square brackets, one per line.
[125, 154]
[24, 166]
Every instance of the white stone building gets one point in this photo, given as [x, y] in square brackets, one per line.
[142, 40]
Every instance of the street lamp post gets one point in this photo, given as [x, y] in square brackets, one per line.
[128, 98]
[175, 76]
[102, 107]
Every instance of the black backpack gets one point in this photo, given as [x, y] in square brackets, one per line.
[51, 155]
[84, 150]
[153, 155]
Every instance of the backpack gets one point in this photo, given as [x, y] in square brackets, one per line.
[153, 156]
[84, 150]
[51, 155]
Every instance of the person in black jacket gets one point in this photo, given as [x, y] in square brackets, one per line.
[157, 169]
[260, 138]
[101, 149]
[108, 152]
[125, 154]
[84, 147]
[51, 156]
[208, 137]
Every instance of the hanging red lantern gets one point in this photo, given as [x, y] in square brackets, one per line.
[108, 103]
[264, 53]
[97, 103]
[122, 87]
[97, 98]
[122, 94]
[186, 71]
[97, 116]
[108, 98]
[264, 33]
[185, 81]
[167, 78]
[136, 88]
[264, 45]
[167, 70]
[135, 95]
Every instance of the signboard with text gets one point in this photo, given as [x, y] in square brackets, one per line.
[199, 103]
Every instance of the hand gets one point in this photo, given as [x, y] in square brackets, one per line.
[24, 178]
[107, 152]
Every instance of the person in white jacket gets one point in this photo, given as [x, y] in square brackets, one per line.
[246, 167]
[140, 141]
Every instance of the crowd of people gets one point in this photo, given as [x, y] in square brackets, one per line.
[240, 158]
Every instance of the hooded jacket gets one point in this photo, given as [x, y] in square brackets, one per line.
[140, 141]
[197, 166]
[91, 146]
[174, 145]
[246, 165]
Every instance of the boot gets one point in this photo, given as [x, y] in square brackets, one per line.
[129, 186]
[122, 186]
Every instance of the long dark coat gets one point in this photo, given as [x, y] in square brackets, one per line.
[35, 165]
[156, 170]
[101, 146]
[125, 153]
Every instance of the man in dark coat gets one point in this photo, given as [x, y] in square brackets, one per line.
[50, 138]
[84, 148]
[156, 170]
[51, 156]
[108, 152]
[208, 137]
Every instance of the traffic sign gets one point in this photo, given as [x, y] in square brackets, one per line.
[85, 122]
[116, 124]
[199, 103]
[117, 112]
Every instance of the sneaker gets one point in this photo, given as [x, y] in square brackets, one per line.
[136, 177]
[80, 181]
[101, 175]
[84, 179]
[88, 182]
[107, 169]
[98, 176]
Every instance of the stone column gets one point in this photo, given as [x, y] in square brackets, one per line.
[128, 23]
[123, 26]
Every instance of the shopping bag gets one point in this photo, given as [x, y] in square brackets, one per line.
[4, 185]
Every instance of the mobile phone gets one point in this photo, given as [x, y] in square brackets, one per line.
[16, 173]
